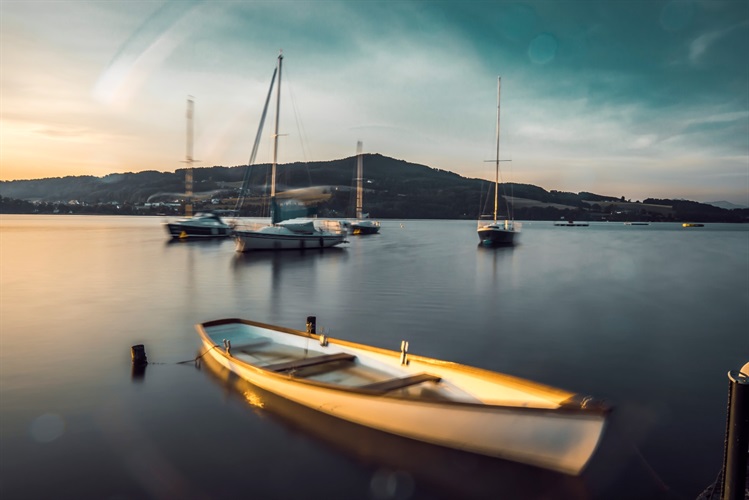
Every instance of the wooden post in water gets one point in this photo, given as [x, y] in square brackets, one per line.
[138, 355]
[737, 436]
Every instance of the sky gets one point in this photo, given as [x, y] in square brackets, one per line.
[636, 98]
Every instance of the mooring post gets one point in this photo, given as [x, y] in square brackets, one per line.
[737, 436]
[311, 324]
[138, 355]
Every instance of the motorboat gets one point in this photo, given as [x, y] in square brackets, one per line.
[201, 225]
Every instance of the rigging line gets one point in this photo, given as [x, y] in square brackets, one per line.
[185, 361]
[657, 478]
[197, 358]
[510, 211]
[303, 139]
[245, 182]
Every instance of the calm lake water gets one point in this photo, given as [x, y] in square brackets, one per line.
[649, 318]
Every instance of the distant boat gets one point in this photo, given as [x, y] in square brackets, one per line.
[421, 398]
[201, 225]
[636, 223]
[692, 224]
[362, 224]
[283, 233]
[498, 232]
[570, 223]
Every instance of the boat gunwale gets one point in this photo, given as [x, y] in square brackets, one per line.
[597, 410]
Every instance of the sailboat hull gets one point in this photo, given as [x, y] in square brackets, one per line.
[496, 236]
[202, 225]
[282, 238]
[197, 231]
[365, 227]
[498, 232]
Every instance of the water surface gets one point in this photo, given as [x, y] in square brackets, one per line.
[649, 318]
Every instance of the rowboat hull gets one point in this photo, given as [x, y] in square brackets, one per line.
[540, 427]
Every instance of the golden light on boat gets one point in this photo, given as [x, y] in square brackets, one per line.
[439, 402]
[253, 399]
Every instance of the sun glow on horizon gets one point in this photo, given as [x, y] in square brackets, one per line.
[103, 92]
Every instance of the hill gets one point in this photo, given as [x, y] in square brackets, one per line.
[393, 189]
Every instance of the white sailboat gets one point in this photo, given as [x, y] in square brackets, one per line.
[283, 234]
[362, 224]
[500, 231]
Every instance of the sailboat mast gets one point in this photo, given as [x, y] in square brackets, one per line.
[189, 159]
[275, 133]
[496, 168]
[359, 173]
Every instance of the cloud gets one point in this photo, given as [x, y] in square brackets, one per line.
[700, 45]
[592, 96]
[143, 53]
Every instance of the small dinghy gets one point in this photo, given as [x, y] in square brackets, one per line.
[426, 399]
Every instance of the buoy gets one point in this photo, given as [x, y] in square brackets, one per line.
[311, 324]
[138, 355]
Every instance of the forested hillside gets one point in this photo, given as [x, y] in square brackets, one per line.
[392, 189]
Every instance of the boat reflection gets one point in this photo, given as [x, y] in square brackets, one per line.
[138, 372]
[208, 242]
[446, 472]
[288, 258]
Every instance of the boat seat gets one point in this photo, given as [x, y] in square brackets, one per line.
[400, 383]
[313, 361]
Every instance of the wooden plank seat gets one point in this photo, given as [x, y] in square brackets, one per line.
[305, 362]
[400, 383]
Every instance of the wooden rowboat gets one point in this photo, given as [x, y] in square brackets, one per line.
[426, 399]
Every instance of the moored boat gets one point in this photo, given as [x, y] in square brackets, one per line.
[421, 398]
[362, 224]
[291, 234]
[284, 232]
[201, 225]
[571, 223]
[204, 224]
[501, 231]
[365, 227]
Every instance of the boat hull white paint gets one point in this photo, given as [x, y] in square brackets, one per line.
[537, 432]
[247, 241]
